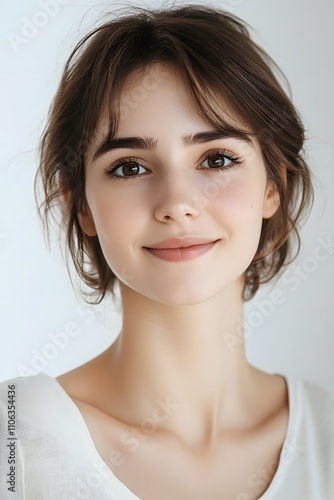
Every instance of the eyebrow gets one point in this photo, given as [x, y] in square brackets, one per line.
[149, 143]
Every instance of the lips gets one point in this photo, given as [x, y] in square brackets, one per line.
[177, 250]
[180, 243]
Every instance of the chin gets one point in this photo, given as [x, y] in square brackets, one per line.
[178, 296]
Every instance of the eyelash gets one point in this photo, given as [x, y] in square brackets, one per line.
[235, 160]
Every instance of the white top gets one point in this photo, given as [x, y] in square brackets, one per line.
[55, 457]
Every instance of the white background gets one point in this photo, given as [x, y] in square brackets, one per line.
[38, 306]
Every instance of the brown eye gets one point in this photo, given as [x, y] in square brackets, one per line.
[130, 168]
[217, 161]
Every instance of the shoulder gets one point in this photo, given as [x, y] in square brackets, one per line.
[23, 386]
[37, 399]
[52, 441]
[313, 419]
[306, 461]
[42, 412]
[30, 386]
[85, 381]
[317, 400]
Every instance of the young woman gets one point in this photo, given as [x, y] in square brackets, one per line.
[174, 156]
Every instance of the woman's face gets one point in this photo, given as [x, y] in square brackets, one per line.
[175, 193]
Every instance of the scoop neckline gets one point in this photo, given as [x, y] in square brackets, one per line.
[79, 417]
[277, 478]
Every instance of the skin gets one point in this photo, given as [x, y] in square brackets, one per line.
[181, 336]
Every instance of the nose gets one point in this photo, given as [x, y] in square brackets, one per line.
[175, 199]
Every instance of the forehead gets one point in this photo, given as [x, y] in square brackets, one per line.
[157, 93]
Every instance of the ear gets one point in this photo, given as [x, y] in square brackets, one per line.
[271, 200]
[84, 215]
[86, 221]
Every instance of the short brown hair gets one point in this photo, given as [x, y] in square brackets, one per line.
[212, 51]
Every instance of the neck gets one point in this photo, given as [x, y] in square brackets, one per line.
[191, 357]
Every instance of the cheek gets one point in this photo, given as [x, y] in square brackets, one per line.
[238, 209]
[241, 201]
[115, 215]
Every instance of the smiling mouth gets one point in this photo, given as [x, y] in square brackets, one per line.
[183, 253]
